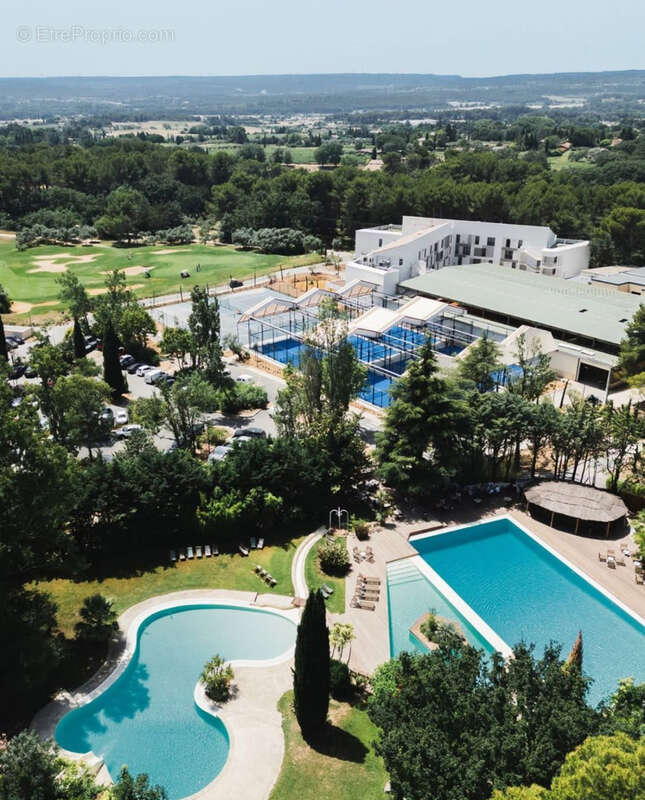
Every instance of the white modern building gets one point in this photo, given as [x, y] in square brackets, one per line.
[389, 254]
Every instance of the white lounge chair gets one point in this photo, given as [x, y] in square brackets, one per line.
[260, 544]
[189, 552]
[198, 550]
[173, 555]
[182, 555]
[207, 550]
[215, 550]
[243, 550]
[253, 542]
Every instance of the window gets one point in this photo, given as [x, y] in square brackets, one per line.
[476, 239]
[380, 242]
[520, 242]
[508, 243]
[490, 242]
[457, 238]
[400, 262]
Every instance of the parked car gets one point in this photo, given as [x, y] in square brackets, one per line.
[152, 375]
[30, 372]
[134, 367]
[235, 284]
[11, 345]
[143, 369]
[250, 432]
[16, 401]
[219, 453]
[127, 430]
[121, 416]
[107, 417]
[16, 337]
[164, 380]
[17, 371]
[91, 343]
[126, 360]
[244, 378]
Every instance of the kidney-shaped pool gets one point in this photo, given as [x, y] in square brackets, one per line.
[148, 719]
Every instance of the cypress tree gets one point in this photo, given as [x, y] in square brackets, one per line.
[311, 670]
[111, 368]
[3, 342]
[79, 341]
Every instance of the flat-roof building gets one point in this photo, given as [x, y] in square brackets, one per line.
[389, 254]
[573, 311]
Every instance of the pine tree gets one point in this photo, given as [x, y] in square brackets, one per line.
[79, 341]
[311, 671]
[111, 368]
[574, 659]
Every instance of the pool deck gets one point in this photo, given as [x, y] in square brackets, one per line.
[371, 646]
[252, 719]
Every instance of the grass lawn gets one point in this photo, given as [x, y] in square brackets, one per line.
[225, 571]
[35, 291]
[564, 161]
[315, 578]
[343, 766]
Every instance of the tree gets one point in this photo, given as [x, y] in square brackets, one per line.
[329, 153]
[602, 768]
[216, 677]
[137, 788]
[454, 725]
[204, 325]
[28, 769]
[176, 343]
[74, 297]
[414, 448]
[311, 669]
[4, 351]
[480, 364]
[574, 659]
[341, 634]
[79, 341]
[535, 372]
[75, 404]
[625, 430]
[112, 373]
[632, 348]
[135, 326]
[98, 619]
[625, 711]
[183, 404]
[126, 214]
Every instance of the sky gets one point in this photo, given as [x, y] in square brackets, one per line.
[249, 37]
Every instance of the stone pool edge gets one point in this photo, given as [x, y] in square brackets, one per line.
[239, 724]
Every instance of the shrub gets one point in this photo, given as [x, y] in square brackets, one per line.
[430, 625]
[340, 684]
[241, 396]
[232, 343]
[213, 436]
[217, 677]
[360, 527]
[333, 558]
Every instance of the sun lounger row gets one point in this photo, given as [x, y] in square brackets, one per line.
[612, 559]
[198, 551]
[367, 605]
[255, 544]
[266, 576]
[326, 590]
[368, 592]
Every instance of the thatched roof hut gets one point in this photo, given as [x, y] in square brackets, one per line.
[582, 503]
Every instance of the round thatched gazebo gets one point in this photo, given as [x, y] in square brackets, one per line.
[580, 503]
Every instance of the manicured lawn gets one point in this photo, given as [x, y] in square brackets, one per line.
[225, 571]
[315, 578]
[343, 766]
[564, 161]
[40, 290]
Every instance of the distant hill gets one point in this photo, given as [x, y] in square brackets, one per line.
[334, 93]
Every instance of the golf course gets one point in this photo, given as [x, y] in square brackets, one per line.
[29, 276]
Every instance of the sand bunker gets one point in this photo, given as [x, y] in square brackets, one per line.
[50, 263]
[103, 291]
[170, 250]
[18, 307]
[130, 270]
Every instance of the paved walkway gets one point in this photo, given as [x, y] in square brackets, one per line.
[252, 720]
[300, 588]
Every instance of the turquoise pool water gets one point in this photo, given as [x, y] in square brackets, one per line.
[148, 719]
[525, 593]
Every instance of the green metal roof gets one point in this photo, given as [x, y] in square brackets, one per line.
[566, 305]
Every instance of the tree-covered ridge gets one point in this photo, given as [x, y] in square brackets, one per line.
[129, 187]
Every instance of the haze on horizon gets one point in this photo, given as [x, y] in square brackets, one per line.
[254, 37]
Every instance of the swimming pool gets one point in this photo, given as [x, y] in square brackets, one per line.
[148, 719]
[525, 592]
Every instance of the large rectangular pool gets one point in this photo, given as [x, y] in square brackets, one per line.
[522, 591]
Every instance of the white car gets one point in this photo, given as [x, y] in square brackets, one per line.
[219, 453]
[152, 375]
[244, 378]
[127, 430]
[143, 369]
[121, 416]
